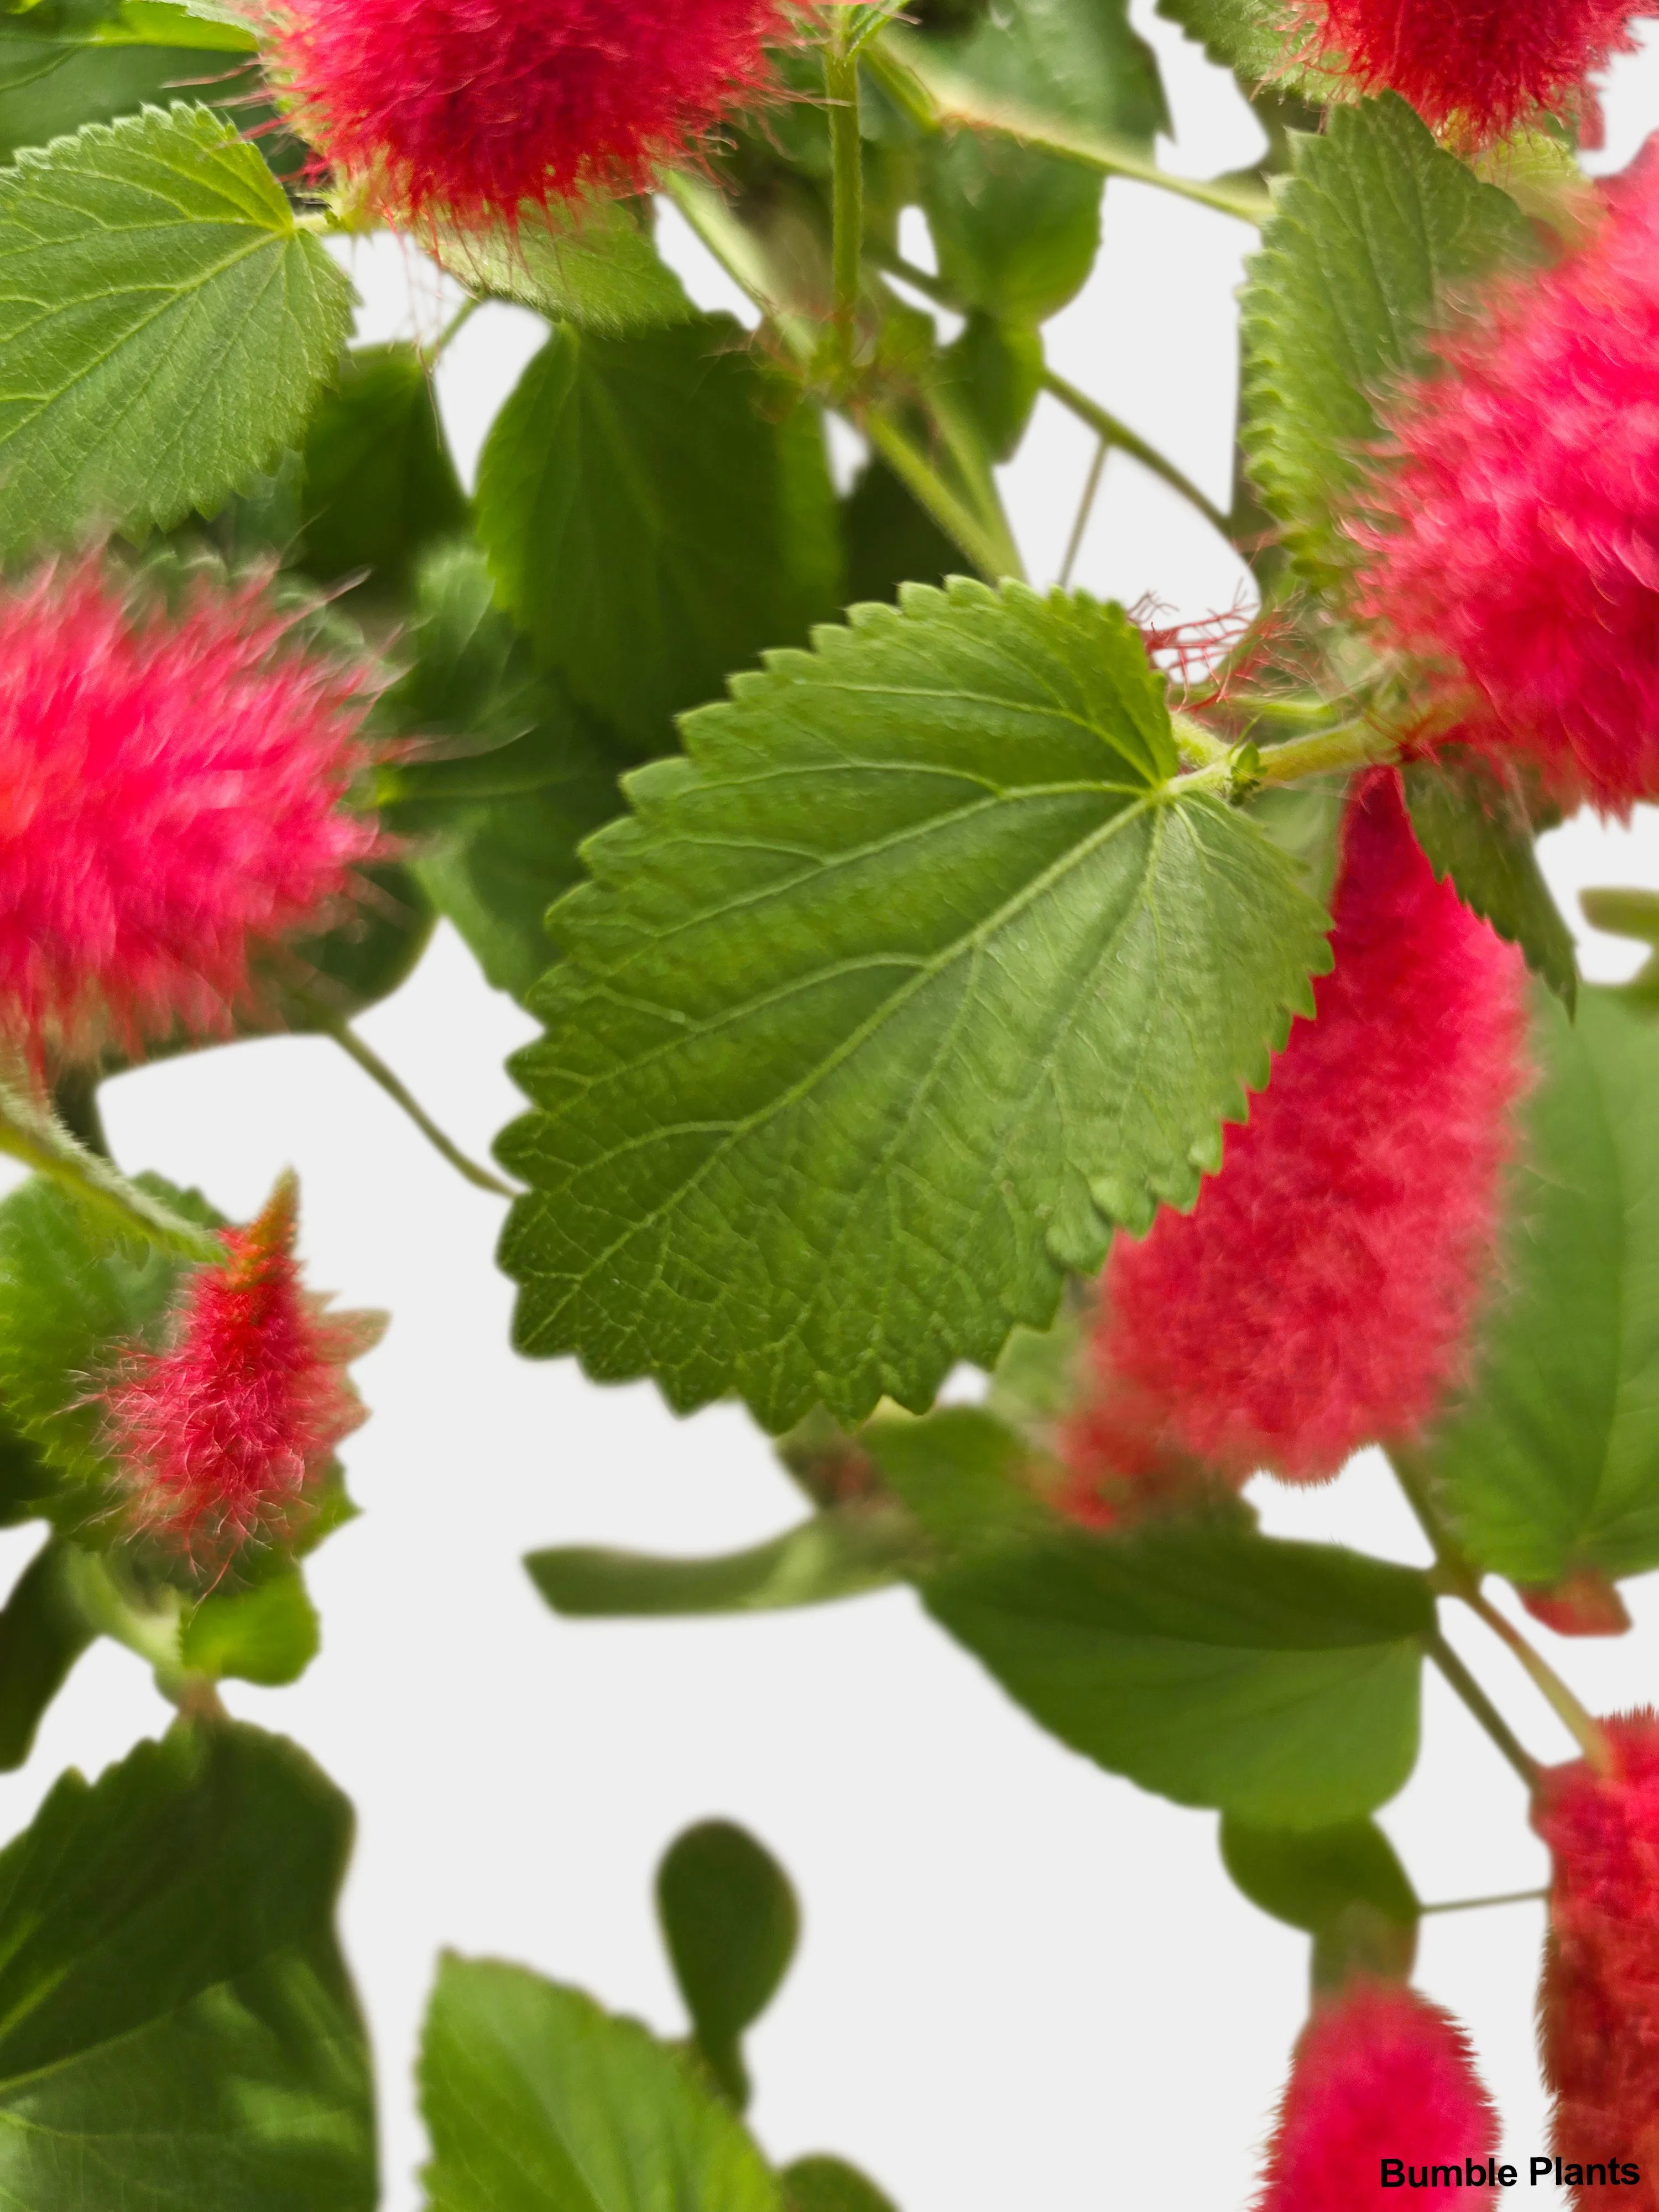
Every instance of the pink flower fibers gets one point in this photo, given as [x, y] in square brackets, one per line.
[1319, 1296]
[472, 108]
[1599, 2004]
[1521, 543]
[226, 1435]
[1380, 2073]
[169, 800]
[1475, 66]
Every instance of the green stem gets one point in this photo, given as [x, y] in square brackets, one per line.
[841, 80]
[1108, 427]
[458, 321]
[905, 68]
[1196, 743]
[1479, 1903]
[744, 258]
[1085, 508]
[1482, 1707]
[1358, 744]
[31, 1132]
[991, 552]
[376, 1069]
[1309, 714]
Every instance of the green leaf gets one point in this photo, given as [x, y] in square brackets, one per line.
[42, 1633]
[1255, 39]
[537, 2100]
[380, 485]
[1549, 1462]
[829, 2185]
[998, 369]
[267, 1634]
[179, 2028]
[656, 513]
[320, 981]
[892, 539]
[1471, 819]
[506, 777]
[1310, 1876]
[186, 325]
[1016, 232]
[962, 1475]
[71, 1299]
[1277, 1681]
[1370, 238]
[839, 1553]
[731, 1921]
[596, 267]
[884, 1005]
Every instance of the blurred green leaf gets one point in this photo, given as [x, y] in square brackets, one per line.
[1548, 1463]
[657, 512]
[537, 2100]
[1310, 1876]
[380, 485]
[960, 1473]
[998, 369]
[840, 1553]
[829, 2185]
[1471, 819]
[596, 267]
[892, 539]
[1016, 232]
[267, 1634]
[178, 2025]
[42, 1633]
[730, 1921]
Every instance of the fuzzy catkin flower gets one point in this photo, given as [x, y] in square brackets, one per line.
[170, 802]
[1598, 2002]
[1380, 2073]
[226, 1435]
[1475, 67]
[472, 108]
[1319, 1296]
[1517, 541]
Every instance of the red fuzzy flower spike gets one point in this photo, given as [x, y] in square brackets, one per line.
[1378, 2074]
[1476, 68]
[227, 1435]
[1319, 1296]
[1521, 548]
[472, 108]
[1599, 2004]
[169, 800]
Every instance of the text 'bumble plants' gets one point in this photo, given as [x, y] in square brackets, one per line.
[934, 963]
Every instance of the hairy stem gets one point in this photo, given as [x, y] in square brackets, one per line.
[31, 1132]
[841, 80]
[1482, 1707]
[1111, 432]
[1085, 508]
[1479, 1903]
[374, 1067]
[1358, 744]
[463, 315]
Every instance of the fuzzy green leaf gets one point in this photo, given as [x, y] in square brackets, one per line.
[1471, 819]
[1549, 1463]
[164, 328]
[1016, 231]
[380, 485]
[1377, 228]
[1277, 1681]
[918, 975]
[656, 513]
[537, 2100]
[839, 1553]
[597, 268]
[178, 2025]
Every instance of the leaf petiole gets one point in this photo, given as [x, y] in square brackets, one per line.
[1108, 427]
[841, 82]
[395, 1089]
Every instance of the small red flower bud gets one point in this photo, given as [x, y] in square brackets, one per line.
[470, 108]
[1319, 1296]
[1584, 1603]
[226, 1435]
[1476, 67]
[170, 797]
[1380, 2074]
[1599, 2004]
[1517, 543]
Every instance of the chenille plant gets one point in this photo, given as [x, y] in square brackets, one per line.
[1172, 1022]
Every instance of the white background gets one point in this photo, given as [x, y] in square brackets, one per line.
[1022, 1983]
